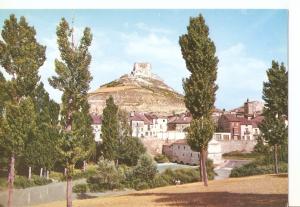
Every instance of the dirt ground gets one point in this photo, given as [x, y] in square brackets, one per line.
[260, 191]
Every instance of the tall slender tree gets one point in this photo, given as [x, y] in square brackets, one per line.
[73, 79]
[21, 56]
[275, 95]
[110, 130]
[41, 150]
[199, 53]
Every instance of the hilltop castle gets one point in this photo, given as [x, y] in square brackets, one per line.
[142, 70]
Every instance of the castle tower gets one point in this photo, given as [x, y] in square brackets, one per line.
[141, 70]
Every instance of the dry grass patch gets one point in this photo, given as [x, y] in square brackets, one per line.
[263, 190]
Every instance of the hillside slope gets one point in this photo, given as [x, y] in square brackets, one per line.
[143, 92]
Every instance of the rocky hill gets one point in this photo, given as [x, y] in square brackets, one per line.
[141, 91]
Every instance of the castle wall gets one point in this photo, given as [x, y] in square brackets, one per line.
[237, 145]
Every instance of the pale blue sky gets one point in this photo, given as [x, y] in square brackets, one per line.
[246, 42]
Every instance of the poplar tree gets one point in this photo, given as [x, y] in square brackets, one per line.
[41, 149]
[198, 51]
[110, 130]
[275, 95]
[73, 79]
[21, 56]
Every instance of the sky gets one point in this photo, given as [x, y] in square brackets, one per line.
[246, 43]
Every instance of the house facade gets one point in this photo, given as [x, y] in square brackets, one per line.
[181, 152]
[96, 125]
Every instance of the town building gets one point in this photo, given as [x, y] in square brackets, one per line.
[96, 125]
[181, 152]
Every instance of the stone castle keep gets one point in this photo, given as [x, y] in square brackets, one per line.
[143, 70]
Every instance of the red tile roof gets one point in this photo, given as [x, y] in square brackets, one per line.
[257, 120]
[181, 120]
[140, 117]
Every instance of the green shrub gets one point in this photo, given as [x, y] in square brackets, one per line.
[158, 181]
[56, 175]
[146, 169]
[161, 158]
[257, 168]
[242, 155]
[79, 173]
[107, 176]
[95, 187]
[80, 188]
[23, 182]
[142, 186]
[37, 180]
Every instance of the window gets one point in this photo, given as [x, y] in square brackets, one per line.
[226, 137]
[183, 154]
[178, 146]
[146, 133]
[191, 154]
[183, 147]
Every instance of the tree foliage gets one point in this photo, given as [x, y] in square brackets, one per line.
[41, 149]
[110, 130]
[198, 51]
[200, 133]
[145, 169]
[21, 56]
[275, 94]
[275, 90]
[73, 78]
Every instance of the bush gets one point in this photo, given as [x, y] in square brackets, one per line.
[242, 155]
[142, 186]
[159, 181]
[161, 158]
[95, 187]
[257, 168]
[107, 176]
[56, 175]
[80, 188]
[79, 173]
[23, 182]
[37, 180]
[146, 169]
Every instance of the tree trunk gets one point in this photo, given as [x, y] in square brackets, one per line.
[200, 167]
[29, 173]
[69, 191]
[84, 166]
[204, 173]
[11, 177]
[275, 158]
[41, 172]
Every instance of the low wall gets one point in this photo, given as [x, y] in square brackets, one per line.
[237, 145]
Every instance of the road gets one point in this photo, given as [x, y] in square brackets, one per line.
[224, 170]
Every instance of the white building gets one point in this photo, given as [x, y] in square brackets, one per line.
[96, 124]
[181, 152]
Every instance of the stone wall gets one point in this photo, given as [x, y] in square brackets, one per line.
[154, 145]
[237, 145]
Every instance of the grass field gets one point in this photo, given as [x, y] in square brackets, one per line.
[260, 191]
